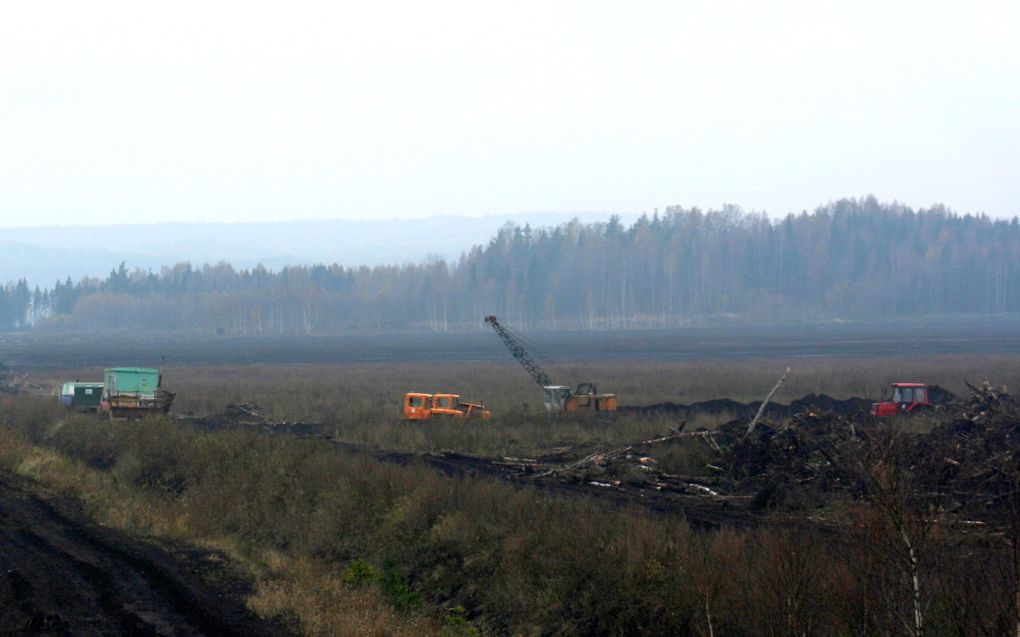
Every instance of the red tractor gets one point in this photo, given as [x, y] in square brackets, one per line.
[907, 398]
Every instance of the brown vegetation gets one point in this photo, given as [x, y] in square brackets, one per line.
[361, 403]
[340, 542]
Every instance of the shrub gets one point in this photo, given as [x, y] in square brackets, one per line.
[359, 573]
[396, 589]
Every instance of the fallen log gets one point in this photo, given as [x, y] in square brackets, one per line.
[765, 403]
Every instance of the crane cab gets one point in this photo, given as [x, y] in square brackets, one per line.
[556, 398]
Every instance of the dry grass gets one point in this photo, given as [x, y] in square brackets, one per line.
[286, 586]
[453, 556]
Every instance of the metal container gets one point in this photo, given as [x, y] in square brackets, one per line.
[133, 392]
[81, 396]
[135, 381]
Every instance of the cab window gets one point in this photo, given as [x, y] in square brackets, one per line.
[417, 401]
[910, 394]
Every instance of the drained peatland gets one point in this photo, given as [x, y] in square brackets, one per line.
[665, 521]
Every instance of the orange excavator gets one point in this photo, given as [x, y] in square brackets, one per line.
[558, 398]
[419, 406]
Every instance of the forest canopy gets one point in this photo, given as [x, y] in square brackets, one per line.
[852, 259]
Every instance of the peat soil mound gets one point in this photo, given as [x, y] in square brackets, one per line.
[774, 411]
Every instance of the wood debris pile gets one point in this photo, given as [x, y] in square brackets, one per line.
[629, 467]
[973, 448]
[981, 453]
[987, 409]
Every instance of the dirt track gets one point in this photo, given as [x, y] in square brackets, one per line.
[62, 576]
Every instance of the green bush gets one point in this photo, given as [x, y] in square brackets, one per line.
[359, 573]
[396, 589]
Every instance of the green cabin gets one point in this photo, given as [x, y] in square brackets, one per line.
[131, 381]
[81, 396]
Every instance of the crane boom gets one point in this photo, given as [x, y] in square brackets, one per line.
[518, 351]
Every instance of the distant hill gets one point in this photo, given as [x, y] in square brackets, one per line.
[45, 255]
[41, 265]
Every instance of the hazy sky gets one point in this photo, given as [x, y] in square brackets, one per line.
[116, 112]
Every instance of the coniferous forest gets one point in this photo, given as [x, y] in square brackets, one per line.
[851, 259]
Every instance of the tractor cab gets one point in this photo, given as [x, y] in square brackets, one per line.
[907, 398]
[417, 406]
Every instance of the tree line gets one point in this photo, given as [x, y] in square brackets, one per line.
[854, 258]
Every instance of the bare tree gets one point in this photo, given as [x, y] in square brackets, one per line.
[903, 482]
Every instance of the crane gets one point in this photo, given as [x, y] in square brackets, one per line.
[558, 398]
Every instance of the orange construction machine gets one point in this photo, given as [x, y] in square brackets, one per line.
[558, 398]
[418, 406]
